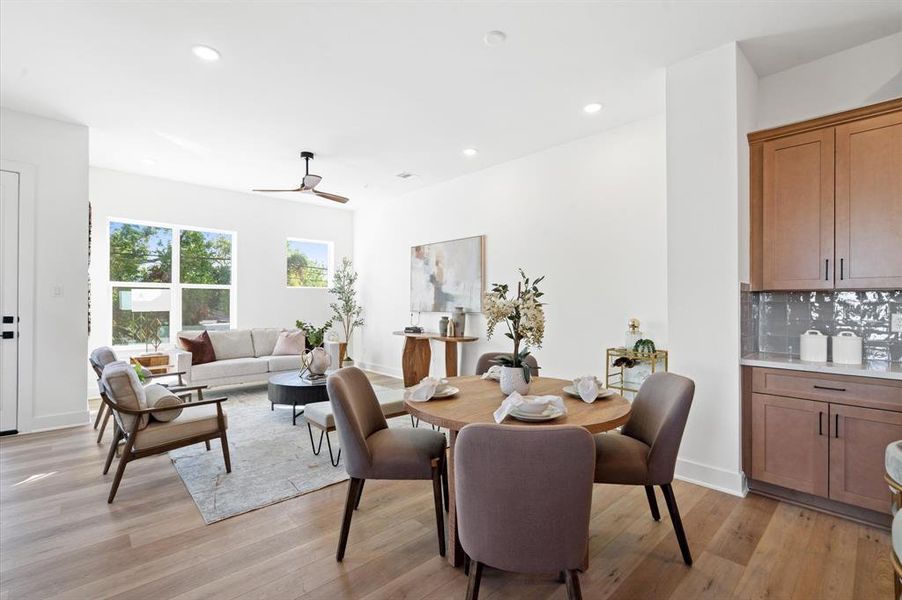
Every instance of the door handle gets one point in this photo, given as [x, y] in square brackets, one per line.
[841, 265]
[8, 335]
[826, 269]
[836, 426]
[8, 319]
[820, 422]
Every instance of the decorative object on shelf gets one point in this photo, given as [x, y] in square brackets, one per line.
[347, 362]
[413, 329]
[347, 312]
[315, 362]
[447, 274]
[621, 360]
[813, 346]
[633, 333]
[315, 335]
[846, 348]
[443, 326]
[644, 346]
[459, 318]
[525, 319]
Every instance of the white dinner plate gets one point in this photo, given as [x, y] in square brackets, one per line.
[446, 393]
[551, 413]
[602, 393]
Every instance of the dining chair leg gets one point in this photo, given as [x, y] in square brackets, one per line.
[571, 579]
[223, 440]
[445, 492]
[652, 502]
[106, 417]
[475, 578]
[677, 522]
[117, 435]
[359, 494]
[439, 510]
[99, 415]
[346, 522]
[466, 565]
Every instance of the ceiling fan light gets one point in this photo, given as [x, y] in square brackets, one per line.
[593, 108]
[470, 151]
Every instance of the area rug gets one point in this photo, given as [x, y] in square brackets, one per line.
[272, 460]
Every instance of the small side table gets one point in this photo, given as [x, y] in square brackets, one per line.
[418, 354]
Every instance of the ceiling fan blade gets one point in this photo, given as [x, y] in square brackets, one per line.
[332, 197]
[300, 189]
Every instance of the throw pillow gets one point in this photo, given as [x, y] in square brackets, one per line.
[290, 343]
[157, 396]
[201, 348]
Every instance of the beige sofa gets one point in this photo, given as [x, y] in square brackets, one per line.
[242, 356]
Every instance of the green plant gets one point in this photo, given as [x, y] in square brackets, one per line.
[644, 346]
[347, 311]
[315, 335]
[139, 371]
[524, 316]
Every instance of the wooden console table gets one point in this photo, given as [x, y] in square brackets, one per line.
[418, 354]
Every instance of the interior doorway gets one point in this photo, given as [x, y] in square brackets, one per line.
[9, 301]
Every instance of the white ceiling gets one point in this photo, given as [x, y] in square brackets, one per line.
[376, 88]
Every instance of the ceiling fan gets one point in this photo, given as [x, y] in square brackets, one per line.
[309, 183]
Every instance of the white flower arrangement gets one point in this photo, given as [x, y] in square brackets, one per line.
[524, 316]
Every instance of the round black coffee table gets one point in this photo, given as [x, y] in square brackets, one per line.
[292, 390]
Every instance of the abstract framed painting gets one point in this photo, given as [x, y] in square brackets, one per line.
[444, 275]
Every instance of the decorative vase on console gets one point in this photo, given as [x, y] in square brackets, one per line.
[443, 326]
[460, 320]
[525, 319]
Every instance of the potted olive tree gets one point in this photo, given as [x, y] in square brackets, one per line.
[348, 314]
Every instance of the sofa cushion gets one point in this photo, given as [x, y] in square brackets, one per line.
[121, 384]
[158, 396]
[264, 341]
[229, 368]
[200, 346]
[235, 343]
[193, 421]
[284, 363]
[290, 343]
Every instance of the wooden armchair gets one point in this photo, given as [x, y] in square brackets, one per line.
[123, 395]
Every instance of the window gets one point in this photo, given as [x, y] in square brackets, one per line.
[166, 278]
[309, 263]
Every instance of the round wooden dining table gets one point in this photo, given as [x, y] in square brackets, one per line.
[479, 398]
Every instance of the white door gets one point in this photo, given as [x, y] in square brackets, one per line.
[9, 300]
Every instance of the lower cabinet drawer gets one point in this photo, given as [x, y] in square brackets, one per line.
[883, 394]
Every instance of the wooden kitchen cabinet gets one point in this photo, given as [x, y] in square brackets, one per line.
[858, 441]
[790, 443]
[825, 202]
[869, 203]
[798, 212]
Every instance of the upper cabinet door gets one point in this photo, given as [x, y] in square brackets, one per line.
[798, 212]
[869, 203]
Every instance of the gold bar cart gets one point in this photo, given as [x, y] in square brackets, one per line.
[615, 376]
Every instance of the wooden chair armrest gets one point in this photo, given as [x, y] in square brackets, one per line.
[178, 389]
[147, 411]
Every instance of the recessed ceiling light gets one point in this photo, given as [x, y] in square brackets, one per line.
[470, 151]
[593, 108]
[494, 38]
[206, 53]
[148, 161]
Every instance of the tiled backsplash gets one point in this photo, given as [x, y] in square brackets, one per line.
[773, 321]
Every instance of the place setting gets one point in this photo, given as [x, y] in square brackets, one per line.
[431, 388]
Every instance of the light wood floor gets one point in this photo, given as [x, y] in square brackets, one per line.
[60, 539]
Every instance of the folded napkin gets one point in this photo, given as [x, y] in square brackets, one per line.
[494, 372]
[423, 391]
[515, 400]
[587, 387]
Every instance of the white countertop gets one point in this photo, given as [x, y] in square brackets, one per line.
[875, 368]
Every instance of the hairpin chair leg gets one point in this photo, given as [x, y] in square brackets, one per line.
[317, 448]
[475, 578]
[677, 522]
[414, 423]
[652, 502]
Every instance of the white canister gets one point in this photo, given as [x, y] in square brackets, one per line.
[847, 348]
[813, 346]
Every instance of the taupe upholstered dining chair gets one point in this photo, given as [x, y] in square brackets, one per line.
[373, 451]
[489, 359]
[645, 451]
[104, 355]
[524, 497]
[123, 394]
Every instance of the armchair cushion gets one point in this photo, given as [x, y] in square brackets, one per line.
[194, 421]
[235, 343]
[621, 459]
[124, 389]
[157, 396]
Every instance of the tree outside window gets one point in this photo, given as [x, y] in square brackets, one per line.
[309, 263]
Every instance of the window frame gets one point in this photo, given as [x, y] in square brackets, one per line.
[175, 285]
[330, 266]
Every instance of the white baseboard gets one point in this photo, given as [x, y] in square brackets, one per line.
[722, 480]
[380, 369]
[59, 421]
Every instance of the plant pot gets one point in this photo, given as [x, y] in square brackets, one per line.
[513, 380]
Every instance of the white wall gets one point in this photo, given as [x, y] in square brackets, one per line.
[856, 77]
[58, 153]
[589, 215]
[703, 224]
[262, 225]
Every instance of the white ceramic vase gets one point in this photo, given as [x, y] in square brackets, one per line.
[513, 380]
[317, 361]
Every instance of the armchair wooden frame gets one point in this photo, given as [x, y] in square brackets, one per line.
[129, 453]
